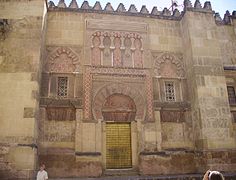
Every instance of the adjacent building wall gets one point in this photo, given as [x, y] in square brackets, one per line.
[20, 54]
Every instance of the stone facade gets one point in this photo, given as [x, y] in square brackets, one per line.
[69, 72]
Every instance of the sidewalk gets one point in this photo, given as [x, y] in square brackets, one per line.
[231, 176]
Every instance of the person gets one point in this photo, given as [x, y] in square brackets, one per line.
[213, 175]
[42, 174]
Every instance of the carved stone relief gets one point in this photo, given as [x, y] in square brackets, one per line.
[96, 54]
[128, 54]
[119, 107]
[117, 49]
[143, 74]
[138, 53]
[168, 65]
[113, 97]
[62, 60]
[117, 62]
[107, 52]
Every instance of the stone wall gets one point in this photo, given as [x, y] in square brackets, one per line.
[102, 52]
[20, 53]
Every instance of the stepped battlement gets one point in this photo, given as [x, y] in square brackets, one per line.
[144, 12]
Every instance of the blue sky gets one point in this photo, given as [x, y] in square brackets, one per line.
[218, 5]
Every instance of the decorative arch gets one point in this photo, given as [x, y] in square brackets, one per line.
[169, 66]
[119, 107]
[62, 60]
[109, 90]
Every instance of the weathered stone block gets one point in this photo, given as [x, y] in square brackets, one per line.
[29, 112]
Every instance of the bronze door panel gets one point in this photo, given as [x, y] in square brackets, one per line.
[118, 146]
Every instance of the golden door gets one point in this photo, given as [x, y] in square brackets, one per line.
[118, 146]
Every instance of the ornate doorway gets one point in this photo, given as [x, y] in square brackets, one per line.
[118, 112]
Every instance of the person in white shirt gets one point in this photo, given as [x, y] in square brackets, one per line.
[42, 174]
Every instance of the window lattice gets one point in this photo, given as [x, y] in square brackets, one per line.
[169, 91]
[62, 86]
[231, 94]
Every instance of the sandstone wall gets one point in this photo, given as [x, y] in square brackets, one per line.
[190, 133]
[20, 51]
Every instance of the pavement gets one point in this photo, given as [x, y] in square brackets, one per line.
[172, 177]
[231, 176]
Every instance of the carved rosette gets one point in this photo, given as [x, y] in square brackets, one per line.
[168, 65]
[62, 60]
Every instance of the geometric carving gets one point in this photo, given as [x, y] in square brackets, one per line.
[100, 96]
[87, 83]
[149, 96]
[168, 65]
[62, 60]
[117, 53]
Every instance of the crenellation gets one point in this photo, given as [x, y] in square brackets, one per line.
[61, 4]
[155, 11]
[73, 4]
[227, 19]
[207, 5]
[176, 13]
[97, 6]
[85, 5]
[197, 4]
[51, 4]
[121, 8]
[166, 12]
[109, 7]
[187, 4]
[132, 9]
[144, 10]
[234, 14]
[218, 18]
